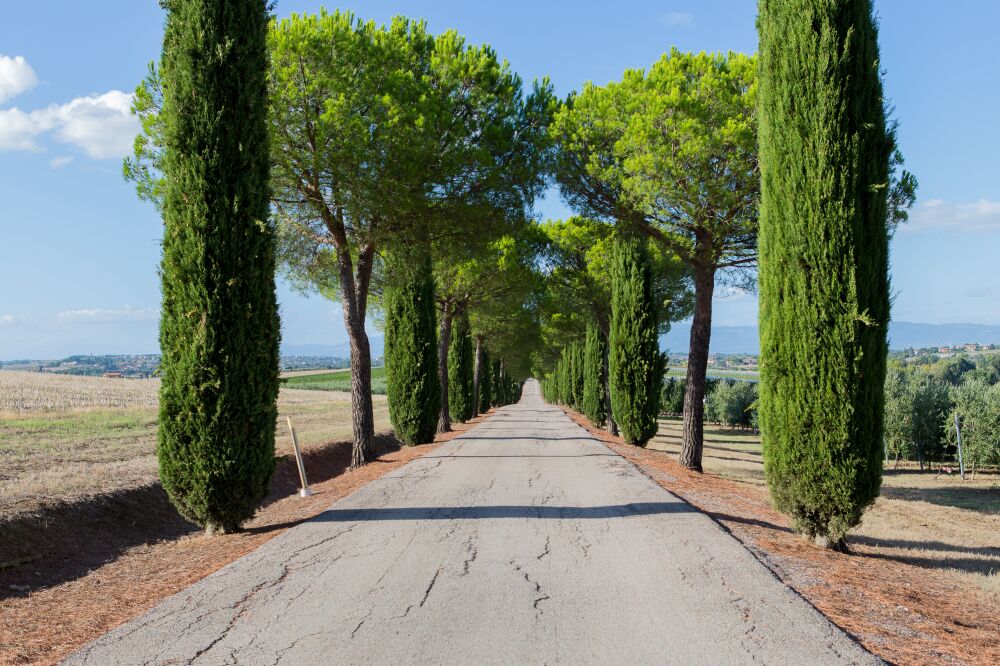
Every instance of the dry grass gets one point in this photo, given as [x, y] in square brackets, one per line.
[65, 438]
[25, 393]
[941, 523]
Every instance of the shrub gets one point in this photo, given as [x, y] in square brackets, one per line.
[732, 403]
[916, 405]
[672, 396]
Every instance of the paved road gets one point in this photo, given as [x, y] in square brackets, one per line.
[523, 541]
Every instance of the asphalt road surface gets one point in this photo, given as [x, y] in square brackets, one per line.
[524, 541]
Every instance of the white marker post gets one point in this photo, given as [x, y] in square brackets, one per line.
[305, 491]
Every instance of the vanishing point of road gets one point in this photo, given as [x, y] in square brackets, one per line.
[522, 541]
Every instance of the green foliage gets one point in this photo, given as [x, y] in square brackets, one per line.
[987, 369]
[595, 399]
[576, 355]
[977, 405]
[496, 384]
[335, 381]
[732, 403]
[412, 383]
[916, 405]
[824, 285]
[219, 330]
[486, 384]
[460, 370]
[952, 370]
[672, 396]
[635, 363]
[578, 283]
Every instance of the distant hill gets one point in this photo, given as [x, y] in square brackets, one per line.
[725, 339]
[905, 334]
[341, 350]
[902, 334]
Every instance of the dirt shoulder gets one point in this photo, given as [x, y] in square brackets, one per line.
[906, 614]
[118, 555]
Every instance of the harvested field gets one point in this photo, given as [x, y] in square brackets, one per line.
[27, 393]
[75, 448]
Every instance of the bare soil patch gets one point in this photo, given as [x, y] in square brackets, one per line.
[109, 558]
[904, 612]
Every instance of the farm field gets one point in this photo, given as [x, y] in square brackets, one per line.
[938, 522]
[64, 438]
[749, 375]
[334, 380]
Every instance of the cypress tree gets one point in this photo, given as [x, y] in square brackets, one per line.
[636, 364]
[563, 370]
[219, 330]
[460, 370]
[593, 376]
[824, 286]
[411, 373]
[577, 376]
[486, 384]
[496, 384]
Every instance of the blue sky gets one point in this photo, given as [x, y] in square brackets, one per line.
[78, 252]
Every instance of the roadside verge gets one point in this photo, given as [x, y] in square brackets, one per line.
[898, 611]
[44, 622]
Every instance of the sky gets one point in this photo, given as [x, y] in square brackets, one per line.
[79, 252]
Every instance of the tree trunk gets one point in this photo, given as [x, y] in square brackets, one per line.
[354, 299]
[477, 372]
[444, 341]
[362, 414]
[694, 393]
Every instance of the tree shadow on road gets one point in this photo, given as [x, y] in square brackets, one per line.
[504, 511]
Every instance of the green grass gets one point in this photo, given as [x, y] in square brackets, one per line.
[335, 381]
[98, 429]
[748, 375]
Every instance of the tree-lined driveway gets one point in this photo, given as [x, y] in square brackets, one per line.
[524, 540]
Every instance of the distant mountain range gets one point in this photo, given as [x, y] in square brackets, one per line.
[902, 334]
[341, 350]
[739, 339]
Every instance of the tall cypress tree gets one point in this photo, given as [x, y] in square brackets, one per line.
[593, 376]
[565, 394]
[577, 375]
[485, 384]
[460, 370]
[496, 383]
[219, 330]
[412, 385]
[824, 286]
[635, 362]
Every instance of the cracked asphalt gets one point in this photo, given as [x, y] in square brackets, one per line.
[523, 541]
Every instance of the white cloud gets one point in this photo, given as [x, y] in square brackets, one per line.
[673, 19]
[101, 125]
[937, 214]
[99, 316]
[60, 161]
[9, 320]
[16, 77]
